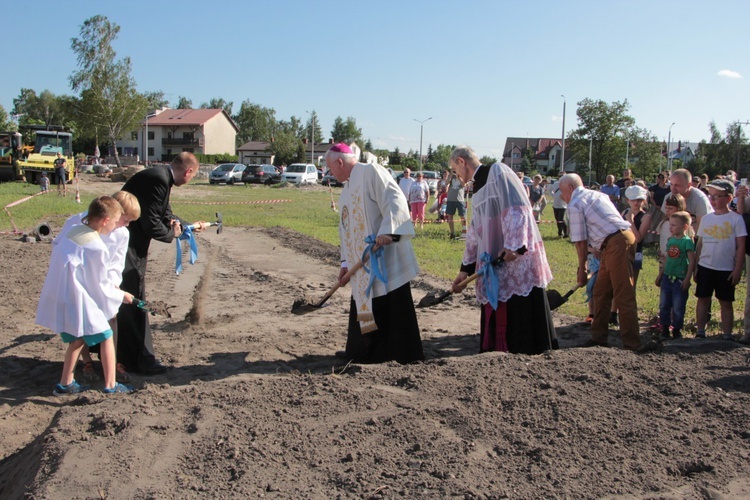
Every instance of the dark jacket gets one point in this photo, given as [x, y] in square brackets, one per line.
[152, 187]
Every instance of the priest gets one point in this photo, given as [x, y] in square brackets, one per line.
[376, 227]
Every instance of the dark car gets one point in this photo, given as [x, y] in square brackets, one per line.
[261, 174]
[330, 180]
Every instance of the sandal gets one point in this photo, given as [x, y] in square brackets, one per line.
[121, 375]
[72, 388]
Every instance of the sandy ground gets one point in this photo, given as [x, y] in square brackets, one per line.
[258, 405]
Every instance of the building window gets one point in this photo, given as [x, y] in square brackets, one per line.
[150, 152]
[133, 136]
[135, 151]
[188, 135]
[150, 135]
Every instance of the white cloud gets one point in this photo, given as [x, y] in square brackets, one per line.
[728, 73]
[556, 119]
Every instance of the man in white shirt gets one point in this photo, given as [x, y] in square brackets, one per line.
[405, 184]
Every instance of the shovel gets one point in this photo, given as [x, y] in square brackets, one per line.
[555, 300]
[301, 307]
[156, 307]
[219, 224]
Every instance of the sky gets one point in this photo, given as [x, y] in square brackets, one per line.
[478, 71]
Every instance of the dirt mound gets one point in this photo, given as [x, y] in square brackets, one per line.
[258, 405]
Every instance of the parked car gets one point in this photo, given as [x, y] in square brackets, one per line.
[227, 172]
[329, 179]
[432, 179]
[261, 174]
[300, 173]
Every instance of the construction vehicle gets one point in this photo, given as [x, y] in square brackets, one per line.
[21, 161]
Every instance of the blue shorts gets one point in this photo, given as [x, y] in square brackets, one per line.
[90, 340]
[452, 206]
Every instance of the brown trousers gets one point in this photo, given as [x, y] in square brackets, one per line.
[615, 280]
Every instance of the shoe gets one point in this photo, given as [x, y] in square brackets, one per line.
[121, 375]
[727, 336]
[613, 319]
[589, 319]
[676, 334]
[72, 388]
[664, 337]
[88, 373]
[117, 388]
[155, 369]
[700, 335]
[341, 354]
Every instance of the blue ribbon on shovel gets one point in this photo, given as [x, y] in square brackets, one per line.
[377, 261]
[489, 278]
[190, 237]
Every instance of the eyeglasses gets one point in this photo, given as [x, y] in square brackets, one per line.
[714, 197]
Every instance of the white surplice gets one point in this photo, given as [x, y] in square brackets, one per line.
[78, 296]
[371, 203]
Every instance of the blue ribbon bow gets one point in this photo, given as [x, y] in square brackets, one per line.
[188, 235]
[377, 260]
[489, 278]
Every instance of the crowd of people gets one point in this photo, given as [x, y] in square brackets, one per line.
[98, 263]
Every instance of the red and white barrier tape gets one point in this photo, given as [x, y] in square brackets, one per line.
[9, 205]
[258, 202]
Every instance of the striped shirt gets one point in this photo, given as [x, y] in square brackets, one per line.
[593, 217]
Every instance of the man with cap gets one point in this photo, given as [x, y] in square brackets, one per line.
[720, 254]
[376, 225]
[595, 222]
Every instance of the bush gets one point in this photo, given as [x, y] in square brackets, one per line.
[216, 159]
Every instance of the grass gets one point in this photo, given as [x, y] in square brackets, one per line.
[309, 211]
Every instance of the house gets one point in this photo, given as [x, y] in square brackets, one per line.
[545, 152]
[172, 131]
[684, 152]
[255, 153]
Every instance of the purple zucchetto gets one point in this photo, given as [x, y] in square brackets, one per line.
[341, 148]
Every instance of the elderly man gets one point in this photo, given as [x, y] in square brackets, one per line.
[594, 221]
[375, 221]
[696, 201]
[515, 314]
[152, 188]
[611, 189]
[406, 184]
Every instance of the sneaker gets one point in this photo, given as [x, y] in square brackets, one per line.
[72, 388]
[117, 388]
[121, 375]
[88, 373]
[727, 336]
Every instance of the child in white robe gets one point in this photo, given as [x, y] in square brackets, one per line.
[117, 244]
[79, 297]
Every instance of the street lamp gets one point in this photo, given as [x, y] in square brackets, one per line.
[669, 147]
[562, 160]
[591, 147]
[312, 137]
[421, 129]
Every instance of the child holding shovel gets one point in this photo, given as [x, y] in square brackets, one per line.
[79, 297]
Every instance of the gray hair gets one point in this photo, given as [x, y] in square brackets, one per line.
[464, 152]
[348, 158]
[571, 180]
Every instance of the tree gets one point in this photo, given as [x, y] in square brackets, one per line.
[184, 103]
[307, 131]
[156, 100]
[608, 125]
[218, 103]
[645, 155]
[43, 109]
[487, 160]
[109, 100]
[5, 121]
[394, 158]
[256, 123]
[346, 131]
[285, 148]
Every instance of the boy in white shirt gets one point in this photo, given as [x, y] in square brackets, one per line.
[721, 256]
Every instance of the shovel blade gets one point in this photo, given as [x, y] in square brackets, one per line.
[433, 299]
[300, 307]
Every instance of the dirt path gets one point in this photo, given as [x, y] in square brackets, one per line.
[257, 405]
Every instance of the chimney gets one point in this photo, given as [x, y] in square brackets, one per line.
[679, 146]
[330, 141]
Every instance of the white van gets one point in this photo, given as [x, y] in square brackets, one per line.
[300, 173]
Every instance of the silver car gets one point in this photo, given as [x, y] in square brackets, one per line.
[227, 172]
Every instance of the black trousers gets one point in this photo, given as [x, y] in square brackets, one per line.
[135, 348]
